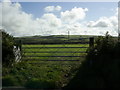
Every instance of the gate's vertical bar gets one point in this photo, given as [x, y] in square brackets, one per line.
[91, 42]
[20, 45]
[91, 45]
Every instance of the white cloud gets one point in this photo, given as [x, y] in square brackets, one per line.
[105, 24]
[52, 8]
[58, 8]
[74, 15]
[49, 8]
[14, 20]
[102, 22]
[48, 24]
[52, 20]
[19, 23]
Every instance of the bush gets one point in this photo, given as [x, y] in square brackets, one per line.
[101, 69]
[8, 57]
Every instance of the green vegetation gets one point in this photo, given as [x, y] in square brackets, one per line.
[7, 50]
[40, 75]
[35, 72]
[101, 69]
[54, 39]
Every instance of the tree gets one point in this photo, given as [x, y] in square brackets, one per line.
[8, 57]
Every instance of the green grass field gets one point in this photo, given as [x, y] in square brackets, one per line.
[54, 52]
[46, 66]
[39, 73]
[34, 71]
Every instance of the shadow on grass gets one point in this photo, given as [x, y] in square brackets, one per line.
[40, 84]
[101, 69]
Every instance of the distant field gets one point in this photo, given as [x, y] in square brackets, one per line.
[54, 39]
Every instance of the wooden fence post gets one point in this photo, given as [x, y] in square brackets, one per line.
[119, 37]
[91, 42]
[20, 45]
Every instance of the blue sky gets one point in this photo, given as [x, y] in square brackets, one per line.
[96, 9]
[57, 18]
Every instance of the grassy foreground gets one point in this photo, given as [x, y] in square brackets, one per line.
[45, 74]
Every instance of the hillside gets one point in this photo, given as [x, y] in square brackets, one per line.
[54, 39]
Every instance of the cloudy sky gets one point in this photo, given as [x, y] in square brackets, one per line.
[57, 18]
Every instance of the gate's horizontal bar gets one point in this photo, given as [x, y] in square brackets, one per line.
[52, 52]
[32, 43]
[51, 47]
[40, 38]
[50, 60]
[53, 56]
